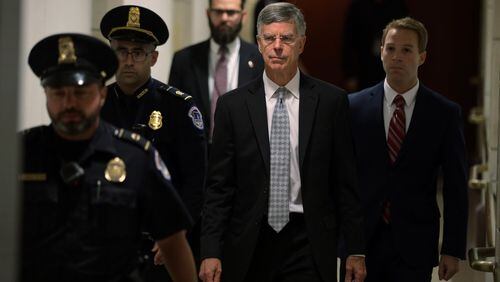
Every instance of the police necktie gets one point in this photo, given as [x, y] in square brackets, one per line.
[220, 83]
[397, 133]
[278, 214]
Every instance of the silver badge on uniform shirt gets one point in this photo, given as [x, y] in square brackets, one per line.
[196, 117]
[160, 165]
[155, 120]
[115, 170]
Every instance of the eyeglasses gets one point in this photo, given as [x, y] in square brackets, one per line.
[287, 39]
[220, 12]
[137, 55]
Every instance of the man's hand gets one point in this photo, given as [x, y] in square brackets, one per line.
[355, 269]
[448, 266]
[177, 257]
[210, 270]
[158, 259]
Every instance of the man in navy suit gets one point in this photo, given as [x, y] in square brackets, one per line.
[282, 179]
[193, 68]
[405, 137]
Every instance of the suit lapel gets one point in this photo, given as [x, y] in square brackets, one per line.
[308, 102]
[256, 103]
[374, 113]
[200, 66]
[245, 65]
[415, 122]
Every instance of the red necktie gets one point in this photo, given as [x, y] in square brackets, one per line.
[397, 133]
[397, 129]
[220, 84]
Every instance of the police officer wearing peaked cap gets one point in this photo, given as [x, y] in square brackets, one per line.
[159, 112]
[134, 23]
[89, 189]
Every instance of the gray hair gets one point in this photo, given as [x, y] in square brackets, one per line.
[282, 12]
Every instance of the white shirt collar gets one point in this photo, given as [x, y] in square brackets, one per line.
[231, 46]
[408, 96]
[293, 85]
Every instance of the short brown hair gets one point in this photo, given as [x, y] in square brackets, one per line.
[410, 24]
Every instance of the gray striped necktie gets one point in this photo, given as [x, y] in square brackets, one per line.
[278, 215]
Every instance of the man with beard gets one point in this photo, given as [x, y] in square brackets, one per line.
[89, 189]
[161, 113]
[215, 66]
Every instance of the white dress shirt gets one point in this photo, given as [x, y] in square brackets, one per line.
[389, 108]
[292, 107]
[233, 60]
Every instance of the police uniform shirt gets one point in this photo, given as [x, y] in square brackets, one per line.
[174, 124]
[90, 229]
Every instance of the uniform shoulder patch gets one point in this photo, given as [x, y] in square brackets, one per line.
[133, 138]
[196, 117]
[174, 91]
[160, 166]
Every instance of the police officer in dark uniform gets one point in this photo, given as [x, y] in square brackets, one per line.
[159, 112]
[90, 188]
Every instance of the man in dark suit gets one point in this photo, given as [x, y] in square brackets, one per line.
[401, 149]
[282, 180]
[194, 68]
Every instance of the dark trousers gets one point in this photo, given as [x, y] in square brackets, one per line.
[385, 264]
[284, 256]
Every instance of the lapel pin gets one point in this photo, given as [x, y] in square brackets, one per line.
[250, 64]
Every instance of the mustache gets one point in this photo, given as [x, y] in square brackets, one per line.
[128, 69]
[223, 25]
[70, 111]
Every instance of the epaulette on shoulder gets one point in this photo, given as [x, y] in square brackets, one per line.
[174, 91]
[133, 138]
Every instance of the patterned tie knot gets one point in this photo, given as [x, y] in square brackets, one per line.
[399, 101]
[222, 52]
[281, 93]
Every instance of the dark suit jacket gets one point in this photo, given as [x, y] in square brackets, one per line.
[237, 195]
[189, 72]
[434, 143]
